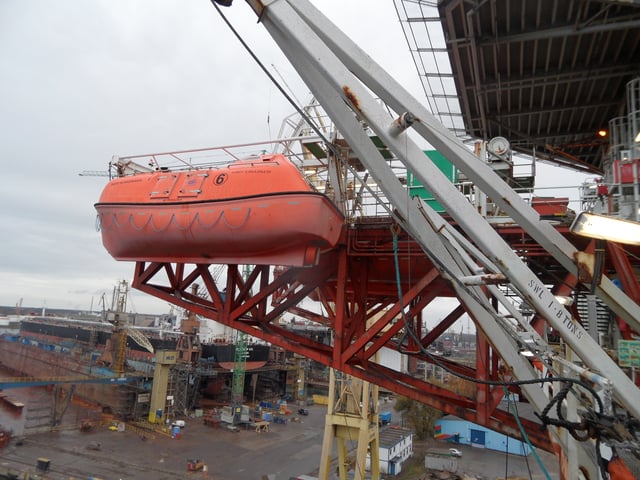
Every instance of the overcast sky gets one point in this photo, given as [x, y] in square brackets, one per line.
[83, 80]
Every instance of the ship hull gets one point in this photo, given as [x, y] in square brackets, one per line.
[69, 333]
[61, 336]
[223, 355]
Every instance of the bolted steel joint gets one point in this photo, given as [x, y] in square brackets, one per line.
[400, 124]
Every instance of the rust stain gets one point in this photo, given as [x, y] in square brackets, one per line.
[397, 122]
[351, 97]
[494, 278]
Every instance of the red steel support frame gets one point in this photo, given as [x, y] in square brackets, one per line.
[363, 310]
[367, 305]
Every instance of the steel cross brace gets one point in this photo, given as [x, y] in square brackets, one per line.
[481, 174]
[172, 282]
[309, 41]
[317, 66]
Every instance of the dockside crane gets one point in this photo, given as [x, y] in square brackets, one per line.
[472, 261]
[114, 354]
[345, 79]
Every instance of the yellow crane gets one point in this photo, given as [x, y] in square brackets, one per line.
[115, 350]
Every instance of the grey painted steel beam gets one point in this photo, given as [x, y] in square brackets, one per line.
[334, 86]
[481, 174]
[332, 82]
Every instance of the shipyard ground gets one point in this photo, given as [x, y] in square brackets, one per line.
[285, 451]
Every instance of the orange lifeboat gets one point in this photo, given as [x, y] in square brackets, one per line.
[260, 211]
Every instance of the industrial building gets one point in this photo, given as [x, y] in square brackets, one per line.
[456, 430]
[396, 447]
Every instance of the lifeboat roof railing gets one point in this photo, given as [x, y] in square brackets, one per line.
[357, 194]
[210, 157]
[361, 196]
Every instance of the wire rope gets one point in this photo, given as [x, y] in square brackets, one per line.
[526, 438]
[408, 330]
[317, 130]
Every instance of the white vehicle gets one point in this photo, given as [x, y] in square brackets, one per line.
[455, 452]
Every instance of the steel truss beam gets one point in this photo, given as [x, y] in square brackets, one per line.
[342, 77]
[353, 313]
[364, 319]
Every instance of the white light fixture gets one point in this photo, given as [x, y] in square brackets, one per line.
[606, 228]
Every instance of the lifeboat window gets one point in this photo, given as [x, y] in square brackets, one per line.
[190, 184]
[164, 186]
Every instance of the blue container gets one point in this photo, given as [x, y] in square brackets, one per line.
[384, 418]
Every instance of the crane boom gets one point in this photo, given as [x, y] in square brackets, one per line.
[140, 339]
[338, 72]
[345, 79]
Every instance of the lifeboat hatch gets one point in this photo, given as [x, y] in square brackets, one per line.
[190, 184]
[164, 186]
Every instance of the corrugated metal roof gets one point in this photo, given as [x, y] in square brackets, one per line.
[545, 74]
[391, 436]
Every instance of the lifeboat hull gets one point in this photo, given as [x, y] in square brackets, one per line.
[260, 213]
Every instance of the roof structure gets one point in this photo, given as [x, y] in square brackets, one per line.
[391, 436]
[547, 75]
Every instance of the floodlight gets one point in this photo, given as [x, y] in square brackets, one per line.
[606, 228]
